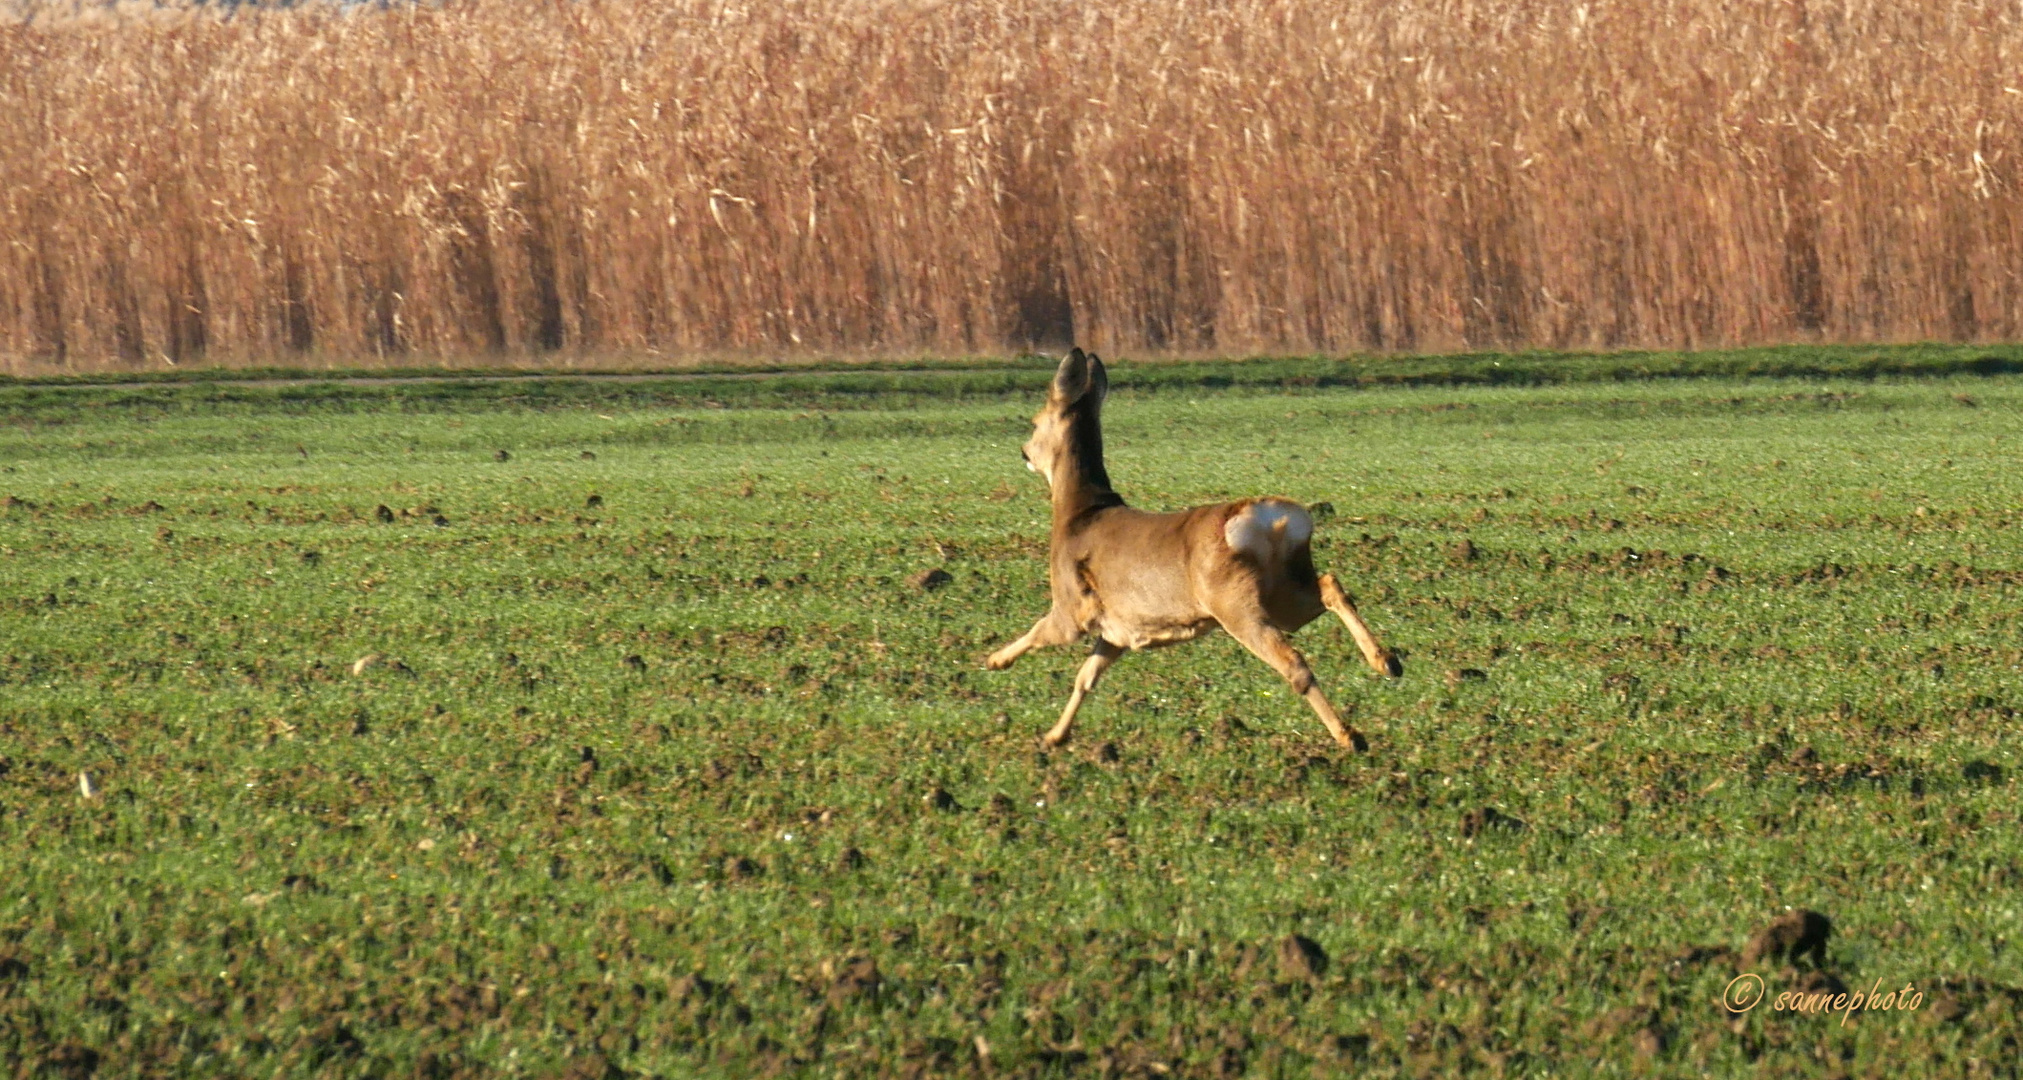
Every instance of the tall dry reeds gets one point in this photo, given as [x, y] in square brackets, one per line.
[642, 179]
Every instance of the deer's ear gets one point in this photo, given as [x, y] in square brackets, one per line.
[1099, 379]
[1073, 379]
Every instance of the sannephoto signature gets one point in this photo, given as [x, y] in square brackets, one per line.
[1747, 990]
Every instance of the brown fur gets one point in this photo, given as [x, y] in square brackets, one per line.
[1134, 580]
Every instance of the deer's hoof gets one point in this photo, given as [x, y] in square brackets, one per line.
[1393, 667]
[1356, 742]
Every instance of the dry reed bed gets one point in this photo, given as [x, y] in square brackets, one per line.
[659, 179]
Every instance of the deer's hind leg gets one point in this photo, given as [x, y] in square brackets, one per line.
[1101, 656]
[1383, 660]
[1270, 645]
[1052, 629]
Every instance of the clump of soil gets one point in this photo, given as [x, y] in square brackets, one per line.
[1981, 772]
[1301, 959]
[1476, 822]
[859, 976]
[1790, 936]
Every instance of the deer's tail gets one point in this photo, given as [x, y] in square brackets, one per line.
[1268, 530]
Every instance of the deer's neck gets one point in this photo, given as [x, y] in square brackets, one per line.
[1081, 484]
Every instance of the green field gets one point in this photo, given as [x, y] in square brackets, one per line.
[664, 765]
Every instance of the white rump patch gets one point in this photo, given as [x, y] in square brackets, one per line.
[1269, 529]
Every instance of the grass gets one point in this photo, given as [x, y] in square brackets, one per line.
[664, 768]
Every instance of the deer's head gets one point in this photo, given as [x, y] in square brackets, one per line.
[1067, 442]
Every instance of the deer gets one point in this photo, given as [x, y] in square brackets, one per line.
[1128, 579]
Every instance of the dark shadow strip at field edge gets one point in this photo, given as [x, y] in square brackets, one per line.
[1021, 376]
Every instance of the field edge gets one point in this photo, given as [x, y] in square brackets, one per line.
[782, 383]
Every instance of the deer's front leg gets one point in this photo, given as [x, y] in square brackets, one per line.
[1099, 661]
[1052, 629]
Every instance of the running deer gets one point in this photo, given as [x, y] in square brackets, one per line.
[1134, 580]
